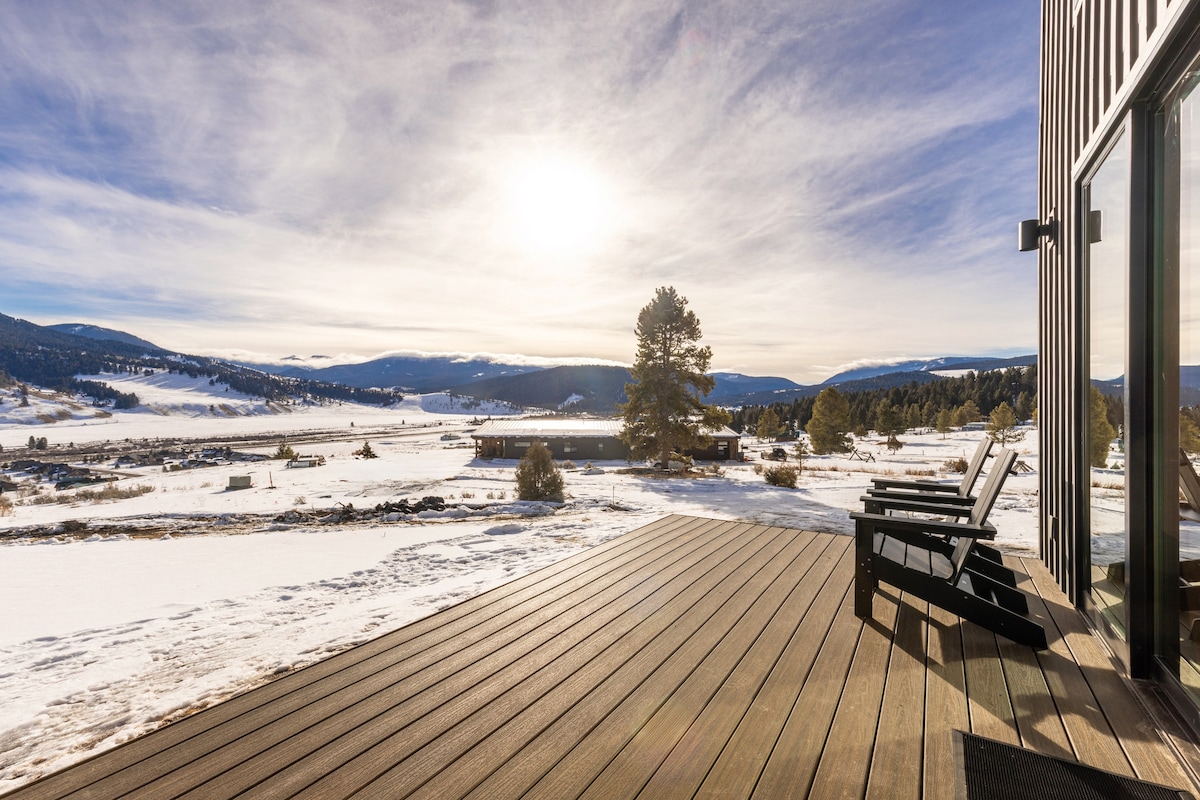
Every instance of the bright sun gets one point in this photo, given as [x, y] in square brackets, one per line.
[558, 207]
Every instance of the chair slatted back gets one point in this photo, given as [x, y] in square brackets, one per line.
[991, 486]
[1189, 484]
[975, 467]
[979, 512]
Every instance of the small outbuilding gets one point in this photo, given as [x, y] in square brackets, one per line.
[301, 462]
[587, 439]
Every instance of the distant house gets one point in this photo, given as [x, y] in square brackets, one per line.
[302, 462]
[587, 439]
[7, 486]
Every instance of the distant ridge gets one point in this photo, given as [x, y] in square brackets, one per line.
[409, 373]
[945, 363]
[104, 334]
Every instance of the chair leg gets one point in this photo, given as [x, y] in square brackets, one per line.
[864, 572]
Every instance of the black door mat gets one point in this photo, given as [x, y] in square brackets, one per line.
[989, 769]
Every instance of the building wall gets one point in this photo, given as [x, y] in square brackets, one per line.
[1100, 60]
[576, 449]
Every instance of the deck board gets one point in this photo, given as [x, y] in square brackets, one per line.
[690, 658]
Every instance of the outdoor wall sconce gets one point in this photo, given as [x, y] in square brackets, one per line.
[1030, 231]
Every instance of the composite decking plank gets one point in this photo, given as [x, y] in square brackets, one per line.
[512, 741]
[741, 762]
[194, 761]
[583, 738]
[445, 623]
[794, 759]
[846, 757]
[896, 759]
[689, 762]
[946, 707]
[1091, 738]
[686, 650]
[538, 757]
[690, 731]
[389, 772]
[258, 757]
[1134, 730]
[354, 757]
[1039, 723]
[987, 693]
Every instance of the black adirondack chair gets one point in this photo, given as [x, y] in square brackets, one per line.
[910, 554]
[961, 503]
[943, 492]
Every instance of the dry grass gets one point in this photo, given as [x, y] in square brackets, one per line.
[111, 491]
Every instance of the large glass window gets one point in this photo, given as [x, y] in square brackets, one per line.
[1183, 164]
[1106, 226]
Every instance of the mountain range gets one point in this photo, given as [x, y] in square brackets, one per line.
[81, 349]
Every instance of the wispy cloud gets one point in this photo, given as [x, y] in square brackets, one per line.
[824, 181]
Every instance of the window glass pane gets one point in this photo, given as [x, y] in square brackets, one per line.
[1186, 129]
[1106, 224]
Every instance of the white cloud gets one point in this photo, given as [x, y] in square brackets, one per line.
[328, 178]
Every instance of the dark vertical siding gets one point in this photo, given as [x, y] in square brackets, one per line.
[1096, 58]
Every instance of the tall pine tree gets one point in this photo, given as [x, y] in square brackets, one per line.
[666, 412]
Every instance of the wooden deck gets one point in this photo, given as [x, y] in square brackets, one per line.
[689, 658]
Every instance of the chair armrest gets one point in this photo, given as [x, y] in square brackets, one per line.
[924, 486]
[884, 522]
[877, 503]
[922, 497]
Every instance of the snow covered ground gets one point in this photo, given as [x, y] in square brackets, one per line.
[121, 615]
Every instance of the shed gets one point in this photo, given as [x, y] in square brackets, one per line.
[239, 482]
[306, 461]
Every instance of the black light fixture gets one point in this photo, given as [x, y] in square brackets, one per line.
[1030, 231]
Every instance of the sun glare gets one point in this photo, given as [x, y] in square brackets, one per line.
[558, 207]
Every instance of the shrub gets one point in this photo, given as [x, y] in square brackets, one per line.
[569, 464]
[781, 475]
[538, 477]
[6, 506]
[955, 465]
[365, 451]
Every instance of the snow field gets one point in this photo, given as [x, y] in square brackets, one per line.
[106, 636]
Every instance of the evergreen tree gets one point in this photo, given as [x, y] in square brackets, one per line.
[284, 452]
[830, 423]
[665, 412]
[1100, 431]
[768, 425]
[1189, 434]
[971, 411]
[889, 419]
[959, 417]
[1024, 407]
[537, 475]
[365, 451]
[945, 422]
[1002, 425]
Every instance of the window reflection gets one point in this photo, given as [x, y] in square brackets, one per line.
[1187, 142]
[1106, 223]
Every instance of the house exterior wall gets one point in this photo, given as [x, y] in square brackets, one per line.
[1107, 71]
[1101, 62]
[574, 448]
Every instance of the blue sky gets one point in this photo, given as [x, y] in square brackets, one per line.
[827, 181]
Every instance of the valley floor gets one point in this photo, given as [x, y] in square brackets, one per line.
[121, 615]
